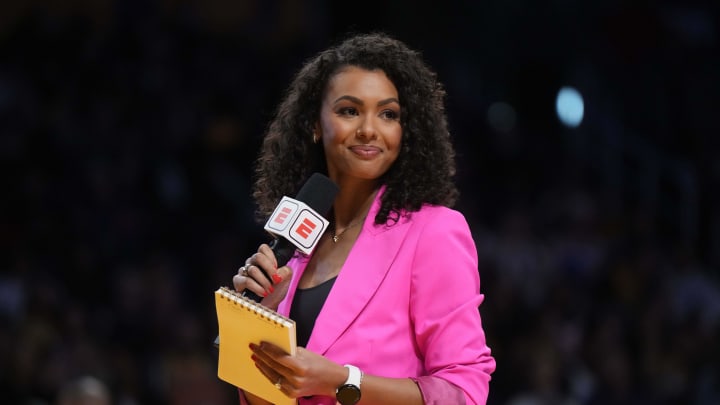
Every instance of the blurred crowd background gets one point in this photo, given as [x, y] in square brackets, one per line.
[128, 130]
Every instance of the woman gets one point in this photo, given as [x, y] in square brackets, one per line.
[387, 303]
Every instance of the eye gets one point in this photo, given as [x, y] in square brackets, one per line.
[390, 115]
[348, 111]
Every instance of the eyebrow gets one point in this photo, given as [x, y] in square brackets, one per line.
[358, 101]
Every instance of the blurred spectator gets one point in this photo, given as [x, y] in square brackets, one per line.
[84, 391]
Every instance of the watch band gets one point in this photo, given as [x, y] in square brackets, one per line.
[355, 376]
[349, 392]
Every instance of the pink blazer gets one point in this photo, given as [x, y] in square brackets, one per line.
[405, 303]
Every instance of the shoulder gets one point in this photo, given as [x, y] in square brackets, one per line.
[437, 228]
[434, 217]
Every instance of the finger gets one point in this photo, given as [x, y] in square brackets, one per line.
[257, 266]
[261, 277]
[272, 368]
[265, 260]
[240, 279]
[268, 372]
[273, 357]
[268, 253]
[280, 361]
[244, 281]
[272, 349]
[283, 276]
[278, 380]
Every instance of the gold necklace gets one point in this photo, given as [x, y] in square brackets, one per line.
[336, 236]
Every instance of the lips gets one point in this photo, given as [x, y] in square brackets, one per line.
[365, 151]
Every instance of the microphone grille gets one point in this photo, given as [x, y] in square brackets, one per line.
[318, 193]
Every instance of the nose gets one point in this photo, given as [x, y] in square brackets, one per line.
[366, 130]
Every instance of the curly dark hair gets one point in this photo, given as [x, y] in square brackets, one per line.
[423, 172]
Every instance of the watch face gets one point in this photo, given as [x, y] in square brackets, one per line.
[348, 394]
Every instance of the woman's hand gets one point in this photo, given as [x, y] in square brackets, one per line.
[251, 277]
[306, 373]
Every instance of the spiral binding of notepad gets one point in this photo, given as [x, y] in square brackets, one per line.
[251, 305]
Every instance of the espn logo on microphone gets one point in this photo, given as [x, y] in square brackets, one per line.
[298, 223]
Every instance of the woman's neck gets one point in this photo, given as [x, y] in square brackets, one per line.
[351, 205]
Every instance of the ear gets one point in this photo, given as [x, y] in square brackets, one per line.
[316, 133]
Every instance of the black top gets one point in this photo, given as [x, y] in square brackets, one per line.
[306, 307]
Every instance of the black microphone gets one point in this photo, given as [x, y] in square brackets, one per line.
[318, 193]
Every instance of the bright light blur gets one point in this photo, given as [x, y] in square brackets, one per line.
[569, 106]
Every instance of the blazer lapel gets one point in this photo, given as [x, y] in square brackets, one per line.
[364, 270]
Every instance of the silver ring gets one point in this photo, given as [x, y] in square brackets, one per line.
[277, 384]
[244, 271]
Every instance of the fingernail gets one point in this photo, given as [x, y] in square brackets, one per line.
[271, 289]
[264, 294]
[276, 278]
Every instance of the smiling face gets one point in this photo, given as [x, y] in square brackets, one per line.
[360, 124]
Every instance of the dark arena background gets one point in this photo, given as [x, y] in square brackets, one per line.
[587, 135]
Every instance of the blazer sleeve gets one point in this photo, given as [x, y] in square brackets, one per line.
[444, 305]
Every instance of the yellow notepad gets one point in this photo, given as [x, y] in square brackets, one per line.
[242, 321]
